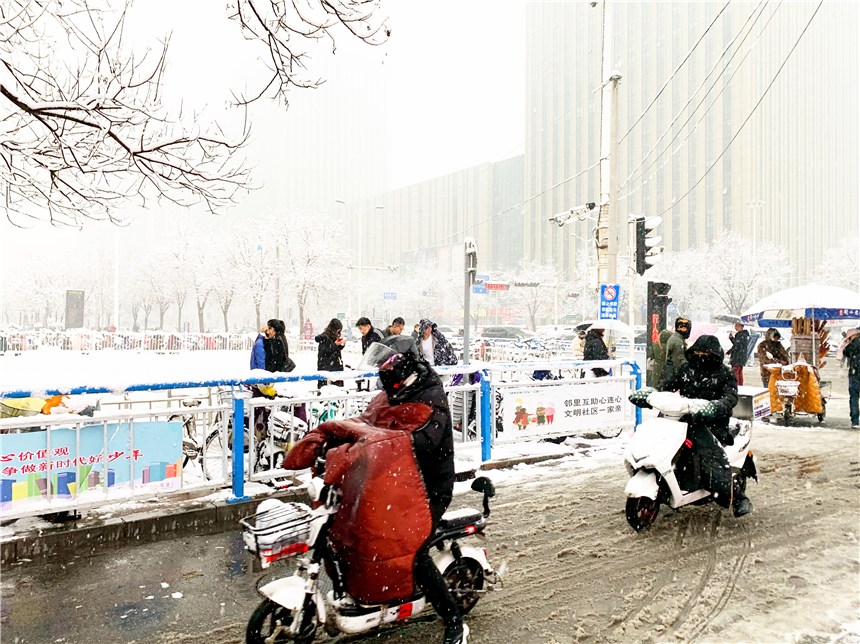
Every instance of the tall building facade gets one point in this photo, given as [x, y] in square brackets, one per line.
[715, 110]
[422, 226]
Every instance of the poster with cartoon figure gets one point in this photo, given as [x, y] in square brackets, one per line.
[571, 408]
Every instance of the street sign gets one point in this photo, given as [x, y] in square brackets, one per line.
[479, 289]
[341, 316]
[495, 287]
[308, 331]
[609, 296]
[389, 296]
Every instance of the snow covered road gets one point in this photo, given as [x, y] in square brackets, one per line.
[575, 572]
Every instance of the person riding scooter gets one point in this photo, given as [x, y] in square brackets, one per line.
[706, 378]
[407, 378]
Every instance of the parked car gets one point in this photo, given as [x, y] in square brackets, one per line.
[506, 333]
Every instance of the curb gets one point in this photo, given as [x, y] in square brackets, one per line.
[41, 546]
[95, 538]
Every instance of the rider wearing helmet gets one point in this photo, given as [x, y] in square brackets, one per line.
[706, 378]
[407, 378]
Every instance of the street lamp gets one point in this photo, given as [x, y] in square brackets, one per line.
[755, 204]
[360, 283]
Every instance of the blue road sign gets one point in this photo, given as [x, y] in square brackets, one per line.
[479, 289]
[389, 296]
[609, 297]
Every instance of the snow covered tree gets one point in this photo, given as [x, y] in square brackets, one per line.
[312, 265]
[288, 28]
[252, 256]
[535, 291]
[85, 130]
[841, 265]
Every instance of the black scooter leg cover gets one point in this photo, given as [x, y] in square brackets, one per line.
[716, 470]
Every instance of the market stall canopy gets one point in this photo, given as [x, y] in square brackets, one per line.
[613, 326]
[811, 301]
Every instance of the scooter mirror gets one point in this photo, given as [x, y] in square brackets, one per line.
[484, 485]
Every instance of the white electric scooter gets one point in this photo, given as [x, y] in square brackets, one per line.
[293, 607]
[659, 446]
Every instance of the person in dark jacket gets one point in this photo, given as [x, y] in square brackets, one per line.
[852, 355]
[770, 351]
[658, 356]
[407, 378]
[415, 334]
[369, 334]
[395, 328]
[738, 353]
[329, 356]
[275, 346]
[676, 348]
[705, 377]
[595, 349]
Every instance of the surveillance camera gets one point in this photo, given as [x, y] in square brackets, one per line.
[593, 4]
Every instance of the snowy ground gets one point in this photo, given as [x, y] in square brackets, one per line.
[574, 571]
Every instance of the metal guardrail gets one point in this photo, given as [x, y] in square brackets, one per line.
[213, 419]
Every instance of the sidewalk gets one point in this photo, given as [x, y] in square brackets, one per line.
[35, 541]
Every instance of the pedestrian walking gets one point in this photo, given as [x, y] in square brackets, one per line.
[770, 351]
[676, 348]
[329, 351]
[395, 328]
[852, 355]
[415, 333]
[276, 348]
[738, 353]
[595, 349]
[369, 334]
[434, 346]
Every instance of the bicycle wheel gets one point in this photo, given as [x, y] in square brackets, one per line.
[213, 455]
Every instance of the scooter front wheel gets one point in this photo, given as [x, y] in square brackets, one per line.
[270, 623]
[642, 512]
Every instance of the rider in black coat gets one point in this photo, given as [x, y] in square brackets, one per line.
[407, 378]
[595, 349]
[705, 377]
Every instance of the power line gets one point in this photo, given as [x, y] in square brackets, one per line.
[693, 95]
[746, 120]
[677, 69]
[696, 124]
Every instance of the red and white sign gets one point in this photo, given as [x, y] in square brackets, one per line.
[496, 287]
[308, 331]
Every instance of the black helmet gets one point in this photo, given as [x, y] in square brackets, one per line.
[397, 359]
[683, 326]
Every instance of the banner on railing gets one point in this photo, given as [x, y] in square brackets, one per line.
[565, 408]
[154, 461]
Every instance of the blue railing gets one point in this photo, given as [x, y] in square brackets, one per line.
[238, 474]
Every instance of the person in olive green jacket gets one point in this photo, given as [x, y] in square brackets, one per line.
[658, 356]
[676, 347]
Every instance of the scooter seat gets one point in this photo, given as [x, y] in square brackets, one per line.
[459, 519]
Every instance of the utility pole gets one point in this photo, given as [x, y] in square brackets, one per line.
[470, 264]
[607, 224]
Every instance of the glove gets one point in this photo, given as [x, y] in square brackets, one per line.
[705, 410]
[640, 397]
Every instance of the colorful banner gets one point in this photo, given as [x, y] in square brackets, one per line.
[567, 408]
[155, 462]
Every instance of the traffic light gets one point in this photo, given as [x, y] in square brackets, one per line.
[658, 302]
[648, 252]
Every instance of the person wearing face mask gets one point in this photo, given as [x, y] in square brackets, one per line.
[676, 348]
[407, 378]
[705, 378]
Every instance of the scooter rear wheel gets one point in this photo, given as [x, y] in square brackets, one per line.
[465, 578]
[642, 512]
[265, 621]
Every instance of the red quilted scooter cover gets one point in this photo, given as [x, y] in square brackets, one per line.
[384, 517]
